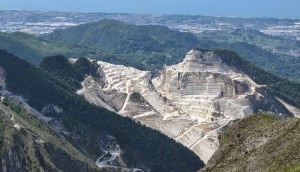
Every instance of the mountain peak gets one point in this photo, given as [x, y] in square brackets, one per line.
[200, 61]
[194, 55]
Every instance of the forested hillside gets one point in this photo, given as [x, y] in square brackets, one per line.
[28, 144]
[147, 46]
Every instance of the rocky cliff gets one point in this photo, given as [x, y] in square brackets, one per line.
[190, 102]
[2, 78]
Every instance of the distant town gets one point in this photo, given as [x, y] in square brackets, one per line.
[36, 22]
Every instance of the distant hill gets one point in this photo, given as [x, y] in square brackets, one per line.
[118, 37]
[149, 47]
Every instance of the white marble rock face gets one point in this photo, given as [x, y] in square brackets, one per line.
[189, 102]
[2, 78]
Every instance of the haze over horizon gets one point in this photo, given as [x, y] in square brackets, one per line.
[234, 8]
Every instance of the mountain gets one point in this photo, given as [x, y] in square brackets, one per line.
[190, 101]
[258, 143]
[105, 138]
[126, 37]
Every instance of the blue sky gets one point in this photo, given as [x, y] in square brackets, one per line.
[244, 8]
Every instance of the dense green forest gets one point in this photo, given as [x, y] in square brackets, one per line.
[144, 47]
[143, 147]
[118, 37]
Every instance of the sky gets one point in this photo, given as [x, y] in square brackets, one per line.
[234, 8]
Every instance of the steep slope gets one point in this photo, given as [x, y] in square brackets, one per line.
[28, 144]
[258, 143]
[95, 131]
[190, 102]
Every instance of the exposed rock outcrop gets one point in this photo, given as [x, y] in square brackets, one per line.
[190, 101]
[2, 78]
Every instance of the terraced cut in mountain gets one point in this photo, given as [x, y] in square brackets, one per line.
[189, 102]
